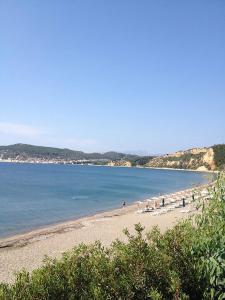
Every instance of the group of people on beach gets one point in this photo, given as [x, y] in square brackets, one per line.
[152, 205]
[175, 200]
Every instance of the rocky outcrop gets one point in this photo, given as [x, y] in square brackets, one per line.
[119, 163]
[195, 159]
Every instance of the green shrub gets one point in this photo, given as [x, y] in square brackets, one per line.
[185, 262]
[219, 156]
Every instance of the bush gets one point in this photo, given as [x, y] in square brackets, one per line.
[186, 262]
[219, 156]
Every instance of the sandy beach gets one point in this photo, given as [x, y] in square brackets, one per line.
[28, 250]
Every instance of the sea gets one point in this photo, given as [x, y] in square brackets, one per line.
[36, 195]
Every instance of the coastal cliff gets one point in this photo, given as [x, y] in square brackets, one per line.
[119, 163]
[195, 159]
[201, 159]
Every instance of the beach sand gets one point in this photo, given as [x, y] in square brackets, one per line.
[28, 250]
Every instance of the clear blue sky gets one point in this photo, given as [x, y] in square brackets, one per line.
[119, 75]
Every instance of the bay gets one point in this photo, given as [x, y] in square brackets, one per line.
[36, 195]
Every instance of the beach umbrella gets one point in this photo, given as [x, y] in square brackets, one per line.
[180, 193]
[204, 193]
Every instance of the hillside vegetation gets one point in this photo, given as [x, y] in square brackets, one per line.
[131, 161]
[197, 158]
[219, 156]
[186, 262]
[25, 152]
[203, 159]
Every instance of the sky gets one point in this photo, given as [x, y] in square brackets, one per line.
[134, 76]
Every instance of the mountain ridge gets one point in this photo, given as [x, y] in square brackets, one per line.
[205, 158]
[26, 151]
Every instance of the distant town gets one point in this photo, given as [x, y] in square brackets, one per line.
[19, 159]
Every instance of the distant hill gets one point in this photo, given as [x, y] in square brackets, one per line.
[23, 152]
[131, 162]
[202, 159]
[211, 158]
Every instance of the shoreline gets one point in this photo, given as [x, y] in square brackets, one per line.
[188, 170]
[22, 238]
[27, 251]
[13, 238]
[157, 168]
[93, 165]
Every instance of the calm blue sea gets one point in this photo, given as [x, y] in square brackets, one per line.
[35, 195]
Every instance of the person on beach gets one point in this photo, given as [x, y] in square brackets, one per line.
[124, 203]
[183, 202]
[163, 202]
[193, 197]
[147, 207]
[157, 205]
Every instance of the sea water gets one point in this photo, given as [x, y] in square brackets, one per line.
[36, 195]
